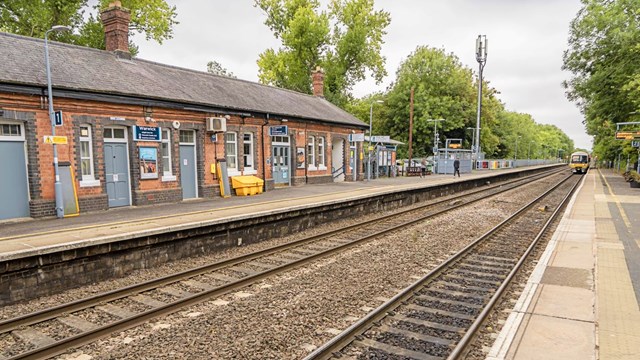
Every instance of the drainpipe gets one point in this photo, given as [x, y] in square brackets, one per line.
[264, 152]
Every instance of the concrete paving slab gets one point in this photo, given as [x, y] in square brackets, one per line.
[579, 237]
[555, 338]
[553, 302]
[573, 254]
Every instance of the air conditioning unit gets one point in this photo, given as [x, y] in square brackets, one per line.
[216, 124]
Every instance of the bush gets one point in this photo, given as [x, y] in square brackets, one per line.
[632, 175]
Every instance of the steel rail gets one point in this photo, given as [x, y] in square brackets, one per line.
[83, 338]
[348, 335]
[463, 344]
[50, 313]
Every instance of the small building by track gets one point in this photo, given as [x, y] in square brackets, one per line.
[139, 132]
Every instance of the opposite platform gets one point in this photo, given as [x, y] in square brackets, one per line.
[42, 236]
[581, 301]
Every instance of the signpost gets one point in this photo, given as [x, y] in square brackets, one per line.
[380, 138]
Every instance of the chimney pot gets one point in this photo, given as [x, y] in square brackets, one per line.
[115, 20]
[317, 77]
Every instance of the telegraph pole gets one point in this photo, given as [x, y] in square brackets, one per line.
[410, 126]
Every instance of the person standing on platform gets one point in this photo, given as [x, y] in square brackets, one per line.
[456, 167]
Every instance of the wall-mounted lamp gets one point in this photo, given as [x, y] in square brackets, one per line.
[148, 114]
[285, 120]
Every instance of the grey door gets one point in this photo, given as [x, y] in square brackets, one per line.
[14, 195]
[188, 171]
[117, 174]
[281, 165]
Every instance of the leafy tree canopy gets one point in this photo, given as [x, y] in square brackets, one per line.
[345, 40]
[216, 68]
[604, 58]
[153, 18]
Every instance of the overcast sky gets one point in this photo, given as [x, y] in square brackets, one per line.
[526, 42]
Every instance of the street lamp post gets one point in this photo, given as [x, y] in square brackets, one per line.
[529, 154]
[57, 187]
[481, 57]
[370, 135]
[435, 140]
[473, 137]
[515, 155]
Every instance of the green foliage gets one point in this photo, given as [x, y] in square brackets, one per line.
[443, 89]
[603, 56]
[153, 18]
[345, 41]
[216, 68]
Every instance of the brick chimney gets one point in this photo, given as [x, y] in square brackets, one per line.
[115, 20]
[318, 82]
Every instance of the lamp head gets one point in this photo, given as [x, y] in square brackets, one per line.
[380, 101]
[60, 28]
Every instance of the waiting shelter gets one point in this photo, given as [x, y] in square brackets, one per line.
[445, 157]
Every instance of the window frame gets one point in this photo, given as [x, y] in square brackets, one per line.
[311, 153]
[231, 170]
[322, 158]
[19, 137]
[90, 179]
[166, 175]
[248, 170]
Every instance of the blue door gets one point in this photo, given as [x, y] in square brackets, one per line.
[188, 171]
[281, 165]
[14, 194]
[117, 174]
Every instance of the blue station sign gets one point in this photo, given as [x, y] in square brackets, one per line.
[146, 133]
[279, 130]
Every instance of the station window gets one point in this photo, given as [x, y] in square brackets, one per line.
[247, 154]
[321, 164]
[231, 150]
[187, 136]
[311, 153]
[165, 148]
[114, 133]
[86, 158]
[14, 130]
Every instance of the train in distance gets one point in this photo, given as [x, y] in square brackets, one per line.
[579, 162]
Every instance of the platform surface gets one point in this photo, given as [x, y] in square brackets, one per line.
[582, 300]
[38, 236]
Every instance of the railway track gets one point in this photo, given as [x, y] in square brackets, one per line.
[53, 331]
[438, 316]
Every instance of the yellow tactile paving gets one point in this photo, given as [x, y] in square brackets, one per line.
[617, 309]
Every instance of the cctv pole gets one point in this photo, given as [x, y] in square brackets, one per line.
[481, 57]
[410, 126]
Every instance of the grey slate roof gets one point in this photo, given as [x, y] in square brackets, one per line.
[97, 71]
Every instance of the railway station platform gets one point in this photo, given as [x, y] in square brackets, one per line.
[39, 236]
[582, 300]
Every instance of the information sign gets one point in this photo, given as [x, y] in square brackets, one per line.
[380, 138]
[58, 140]
[627, 135]
[146, 133]
[58, 117]
[279, 130]
[356, 137]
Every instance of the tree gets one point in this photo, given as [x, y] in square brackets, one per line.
[345, 41]
[603, 56]
[153, 18]
[216, 68]
[443, 88]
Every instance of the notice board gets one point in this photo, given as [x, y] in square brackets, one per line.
[69, 193]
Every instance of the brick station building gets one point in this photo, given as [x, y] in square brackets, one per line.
[140, 133]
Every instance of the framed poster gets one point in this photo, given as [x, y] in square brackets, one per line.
[148, 162]
[300, 158]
